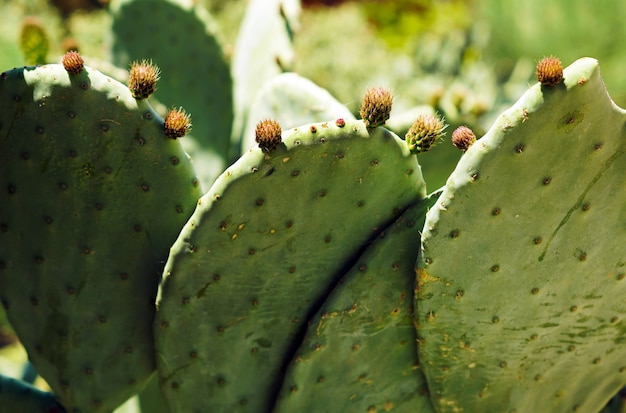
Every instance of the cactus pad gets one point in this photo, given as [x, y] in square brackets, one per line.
[92, 196]
[521, 290]
[263, 249]
[359, 352]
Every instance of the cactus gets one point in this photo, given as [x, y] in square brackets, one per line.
[263, 248]
[93, 194]
[151, 398]
[358, 354]
[304, 243]
[521, 283]
[189, 54]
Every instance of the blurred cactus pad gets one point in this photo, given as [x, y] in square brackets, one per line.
[239, 206]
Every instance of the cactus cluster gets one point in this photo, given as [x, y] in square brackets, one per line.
[314, 273]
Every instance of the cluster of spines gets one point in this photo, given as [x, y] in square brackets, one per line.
[463, 137]
[425, 132]
[143, 78]
[177, 123]
[549, 71]
[73, 62]
[268, 134]
[376, 107]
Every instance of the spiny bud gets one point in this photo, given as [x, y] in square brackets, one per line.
[463, 138]
[142, 79]
[177, 123]
[376, 106]
[73, 62]
[268, 134]
[550, 71]
[425, 132]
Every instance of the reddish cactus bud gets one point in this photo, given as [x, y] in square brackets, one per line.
[268, 134]
[425, 132]
[73, 62]
[463, 138]
[143, 78]
[376, 106]
[550, 71]
[177, 123]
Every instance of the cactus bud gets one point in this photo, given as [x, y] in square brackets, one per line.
[376, 106]
[550, 71]
[425, 132]
[268, 134]
[142, 79]
[73, 62]
[177, 123]
[463, 138]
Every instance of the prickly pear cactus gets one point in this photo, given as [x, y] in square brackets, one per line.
[264, 247]
[359, 353]
[522, 283]
[92, 195]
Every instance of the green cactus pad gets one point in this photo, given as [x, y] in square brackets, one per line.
[521, 289]
[262, 250]
[19, 397]
[182, 40]
[359, 352]
[92, 196]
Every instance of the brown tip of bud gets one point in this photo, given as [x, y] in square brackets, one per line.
[463, 138]
[550, 71]
[376, 106]
[268, 134]
[143, 78]
[425, 132]
[177, 123]
[73, 62]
